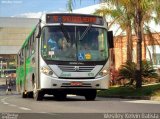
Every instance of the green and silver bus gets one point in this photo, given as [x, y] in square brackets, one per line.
[65, 54]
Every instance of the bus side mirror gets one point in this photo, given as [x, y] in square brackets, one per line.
[38, 30]
[110, 39]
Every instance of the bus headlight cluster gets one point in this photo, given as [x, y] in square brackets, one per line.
[103, 72]
[46, 70]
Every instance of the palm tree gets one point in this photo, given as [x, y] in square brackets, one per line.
[130, 13]
[121, 16]
[143, 13]
[69, 5]
[137, 12]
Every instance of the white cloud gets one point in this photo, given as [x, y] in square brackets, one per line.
[30, 15]
[35, 14]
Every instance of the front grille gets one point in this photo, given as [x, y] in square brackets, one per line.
[66, 68]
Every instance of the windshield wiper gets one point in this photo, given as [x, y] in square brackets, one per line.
[85, 32]
[64, 33]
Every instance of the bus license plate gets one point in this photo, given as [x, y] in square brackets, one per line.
[76, 84]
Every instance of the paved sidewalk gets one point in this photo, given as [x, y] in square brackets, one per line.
[3, 87]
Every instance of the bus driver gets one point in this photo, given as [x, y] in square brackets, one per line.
[52, 43]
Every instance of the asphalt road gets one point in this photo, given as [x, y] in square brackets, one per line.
[74, 105]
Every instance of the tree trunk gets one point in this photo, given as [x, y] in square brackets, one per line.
[144, 46]
[138, 21]
[129, 43]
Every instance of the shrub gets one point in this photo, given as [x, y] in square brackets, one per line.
[128, 69]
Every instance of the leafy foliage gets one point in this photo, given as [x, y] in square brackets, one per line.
[148, 71]
[149, 90]
[128, 70]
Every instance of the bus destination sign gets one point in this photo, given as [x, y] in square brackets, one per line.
[79, 19]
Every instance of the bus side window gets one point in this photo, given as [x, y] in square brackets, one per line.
[22, 57]
[32, 45]
[27, 50]
[18, 59]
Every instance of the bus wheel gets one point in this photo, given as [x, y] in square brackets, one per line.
[90, 95]
[24, 95]
[30, 94]
[37, 94]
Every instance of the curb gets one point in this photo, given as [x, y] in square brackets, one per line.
[155, 98]
[130, 97]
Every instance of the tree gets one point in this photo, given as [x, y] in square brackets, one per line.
[123, 17]
[143, 13]
[69, 5]
[137, 12]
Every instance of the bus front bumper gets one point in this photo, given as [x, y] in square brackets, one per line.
[48, 82]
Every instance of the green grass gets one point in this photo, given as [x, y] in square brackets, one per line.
[150, 90]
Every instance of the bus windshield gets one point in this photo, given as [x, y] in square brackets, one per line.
[74, 43]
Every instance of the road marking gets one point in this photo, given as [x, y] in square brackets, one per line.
[24, 108]
[12, 105]
[43, 112]
[3, 99]
[71, 95]
[4, 102]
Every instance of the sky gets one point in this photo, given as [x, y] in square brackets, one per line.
[10, 8]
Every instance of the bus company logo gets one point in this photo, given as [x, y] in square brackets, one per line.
[76, 63]
[76, 68]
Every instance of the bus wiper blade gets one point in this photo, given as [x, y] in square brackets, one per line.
[64, 33]
[85, 32]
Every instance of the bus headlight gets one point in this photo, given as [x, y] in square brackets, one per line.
[103, 72]
[46, 70]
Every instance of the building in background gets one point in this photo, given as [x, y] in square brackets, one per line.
[13, 32]
[150, 49]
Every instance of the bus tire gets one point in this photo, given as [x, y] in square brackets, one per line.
[38, 95]
[30, 94]
[24, 95]
[91, 95]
